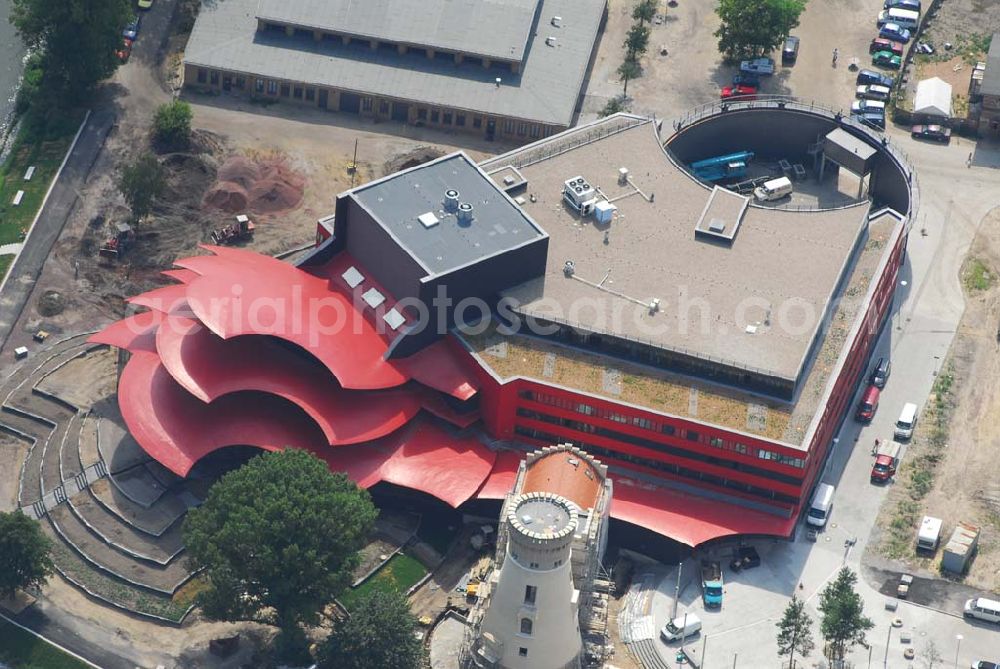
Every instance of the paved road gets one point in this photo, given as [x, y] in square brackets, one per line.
[36, 620]
[60, 205]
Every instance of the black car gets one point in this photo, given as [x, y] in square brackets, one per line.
[880, 374]
[790, 51]
[872, 77]
[746, 557]
[872, 119]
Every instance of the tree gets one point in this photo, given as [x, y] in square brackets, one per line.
[141, 182]
[380, 633]
[172, 124]
[930, 656]
[844, 621]
[645, 10]
[752, 28]
[795, 631]
[613, 106]
[628, 70]
[79, 37]
[636, 42]
[24, 553]
[279, 540]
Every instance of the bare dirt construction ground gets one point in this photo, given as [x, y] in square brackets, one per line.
[956, 478]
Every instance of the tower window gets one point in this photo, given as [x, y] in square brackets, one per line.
[526, 626]
[529, 594]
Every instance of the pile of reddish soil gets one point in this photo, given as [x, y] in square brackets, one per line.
[266, 186]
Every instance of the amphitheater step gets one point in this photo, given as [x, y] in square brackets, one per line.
[95, 552]
[123, 537]
[154, 520]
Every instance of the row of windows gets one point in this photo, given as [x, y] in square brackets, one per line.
[702, 477]
[522, 129]
[446, 117]
[660, 446]
[664, 428]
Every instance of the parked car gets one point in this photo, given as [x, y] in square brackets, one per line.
[887, 59]
[873, 92]
[883, 44]
[761, 66]
[790, 52]
[880, 373]
[131, 31]
[873, 77]
[937, 133]
[912, 5]
[986, 664]
[739, 91]
[872, 119]
[125, 50]
[145, 4]
[746, 79]
[868, 404]
[894, 31]
[862, 106]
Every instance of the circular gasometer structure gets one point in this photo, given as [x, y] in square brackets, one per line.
[829, 159]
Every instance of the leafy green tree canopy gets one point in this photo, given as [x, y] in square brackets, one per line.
[172, 124]
[142, 182]
[80, 38]
[645, 10]
[844, 621]
[795, 631]
[24, 553]
[381, 633]
[636, 41]
[629, 69]
[752, 28]
[279, 540]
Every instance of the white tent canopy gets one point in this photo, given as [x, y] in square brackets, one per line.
[933, 98]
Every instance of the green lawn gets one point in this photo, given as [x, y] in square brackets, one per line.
[46, 156]
[5, 263]
[401, 572]
[21, 650]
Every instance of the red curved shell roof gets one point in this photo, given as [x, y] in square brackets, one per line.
[686, 518]
[208, 371]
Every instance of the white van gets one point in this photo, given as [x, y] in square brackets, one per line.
[929, 534]
[775, 189]
[982, 608]
[907, 421]
[679, 628]
[822, 503]
[902, 17]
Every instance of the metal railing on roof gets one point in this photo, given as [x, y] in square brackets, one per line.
[785, 102]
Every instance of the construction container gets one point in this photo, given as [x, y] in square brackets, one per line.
[960, 549]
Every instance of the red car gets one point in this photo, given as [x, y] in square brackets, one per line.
[125, 51]
[738, 91]
[883, 44]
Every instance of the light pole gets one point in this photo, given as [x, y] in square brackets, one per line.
[704, 643]
[888, 637]
[958, 637]
[683, 639]
[677, 589]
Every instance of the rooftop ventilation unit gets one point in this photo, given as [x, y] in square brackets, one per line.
[451, 200]
[717, 225]
[550, 41]
[428, 219]
[465, 213]
[622, 176]
[557, 21]
[579, 194]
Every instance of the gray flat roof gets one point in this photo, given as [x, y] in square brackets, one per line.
[453, 25]
[991, 78]
[783, 265]
[545, 90]
[397, 201]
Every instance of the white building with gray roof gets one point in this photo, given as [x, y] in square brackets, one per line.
[499, 68]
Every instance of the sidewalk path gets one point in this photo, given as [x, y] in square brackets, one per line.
[51, 220]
